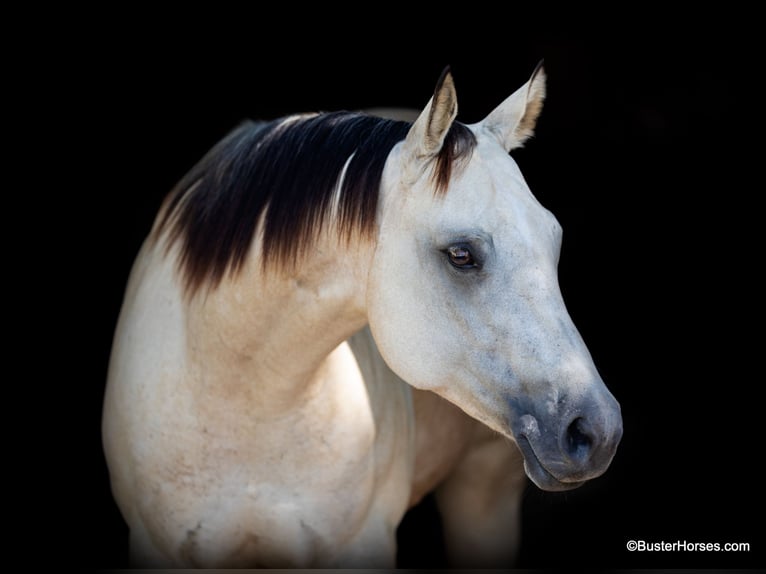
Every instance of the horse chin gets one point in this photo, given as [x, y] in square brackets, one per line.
[539, 475]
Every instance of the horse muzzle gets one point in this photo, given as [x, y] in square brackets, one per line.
[562, 450]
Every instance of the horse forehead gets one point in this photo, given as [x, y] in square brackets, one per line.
[492, 186]
[493, 167]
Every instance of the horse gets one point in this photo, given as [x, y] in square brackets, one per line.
[333, 315]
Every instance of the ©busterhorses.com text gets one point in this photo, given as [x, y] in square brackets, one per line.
[685, 546]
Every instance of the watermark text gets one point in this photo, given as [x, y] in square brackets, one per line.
[685, 546]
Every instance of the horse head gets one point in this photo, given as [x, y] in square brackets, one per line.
[463, 296]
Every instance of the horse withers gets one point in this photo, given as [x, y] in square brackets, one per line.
[333, 315]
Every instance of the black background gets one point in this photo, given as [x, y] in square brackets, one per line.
[638, 152]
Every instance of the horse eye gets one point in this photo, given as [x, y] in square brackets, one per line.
[461, 257]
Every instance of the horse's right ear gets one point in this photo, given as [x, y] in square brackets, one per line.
[513, 121]
[426, 136]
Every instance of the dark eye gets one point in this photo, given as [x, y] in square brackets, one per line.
[461, 257]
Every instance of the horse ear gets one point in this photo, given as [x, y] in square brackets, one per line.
[513, 121]
[427, 133]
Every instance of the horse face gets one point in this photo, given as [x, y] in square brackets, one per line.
[463, 297]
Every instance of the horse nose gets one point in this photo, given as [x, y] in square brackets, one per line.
[577, 439]
[564, 447]
[589, 438]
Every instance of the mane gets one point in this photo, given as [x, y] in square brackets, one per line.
[283, 176]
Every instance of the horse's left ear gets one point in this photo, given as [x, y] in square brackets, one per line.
[513, 121]
[426, 136]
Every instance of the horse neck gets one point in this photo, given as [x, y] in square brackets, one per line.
[269, 336]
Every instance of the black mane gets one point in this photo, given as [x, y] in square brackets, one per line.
[285, 173]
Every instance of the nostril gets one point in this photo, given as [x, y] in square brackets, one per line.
[578, 439]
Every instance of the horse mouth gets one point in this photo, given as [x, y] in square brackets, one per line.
[538, 474]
